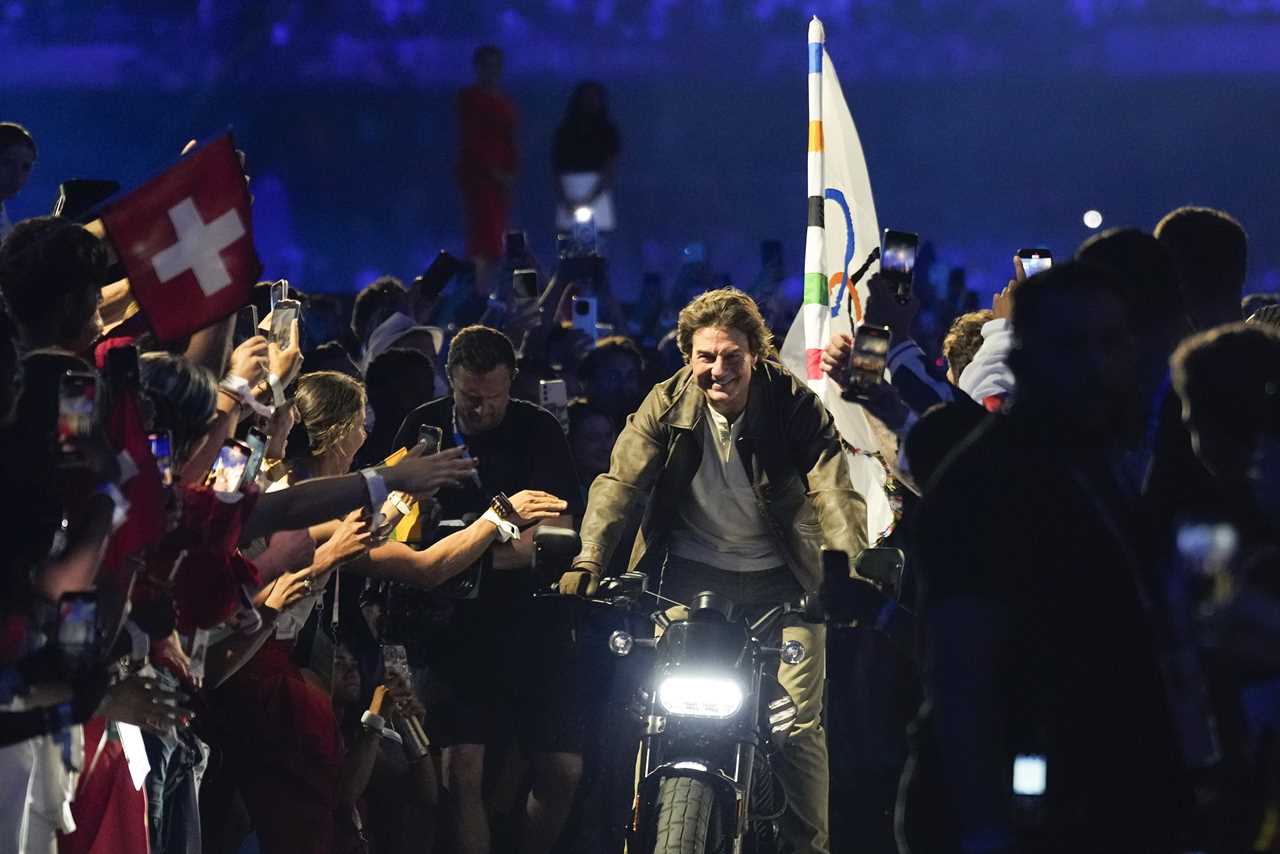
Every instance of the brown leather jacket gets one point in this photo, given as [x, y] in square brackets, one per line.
[788, 444]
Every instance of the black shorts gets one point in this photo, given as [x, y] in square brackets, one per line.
[507, 667]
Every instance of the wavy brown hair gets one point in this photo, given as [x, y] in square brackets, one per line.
[726, 308]
[331, 406]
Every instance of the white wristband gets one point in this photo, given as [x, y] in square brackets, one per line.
[277, 390]
[238, 387]
[506, 531]
[378, 724]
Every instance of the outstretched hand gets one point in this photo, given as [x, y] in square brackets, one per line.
[422, 477]
[146, 702]
[532, 505]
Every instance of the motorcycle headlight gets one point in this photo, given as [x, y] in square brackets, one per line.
[700, 696]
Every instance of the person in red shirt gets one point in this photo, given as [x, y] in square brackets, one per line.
[487, 160]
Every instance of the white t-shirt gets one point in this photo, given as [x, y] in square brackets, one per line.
[721, 523]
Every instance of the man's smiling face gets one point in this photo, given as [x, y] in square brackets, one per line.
[722, 362]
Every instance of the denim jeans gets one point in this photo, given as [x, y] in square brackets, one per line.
[173, 815]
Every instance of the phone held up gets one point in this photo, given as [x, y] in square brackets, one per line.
[78, 633]
[282, 318]
[227, 474]
[77, 404]
[431, 283]
[898, 261]
[246, 323]
[585, 316]
[279, 291]
[257, 442]
[553, 396]
[1035, 260]
[869, 358]
[162, 449]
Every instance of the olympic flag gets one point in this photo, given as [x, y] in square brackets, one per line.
[841, 234]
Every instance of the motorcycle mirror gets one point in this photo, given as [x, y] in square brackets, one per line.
[553, 550]
[883, 566]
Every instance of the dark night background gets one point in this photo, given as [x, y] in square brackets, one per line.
[987, 124]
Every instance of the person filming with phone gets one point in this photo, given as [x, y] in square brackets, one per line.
[492, 657]
[743, 478]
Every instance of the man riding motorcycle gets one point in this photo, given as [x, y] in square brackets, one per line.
[740, 474]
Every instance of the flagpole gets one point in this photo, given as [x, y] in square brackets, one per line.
[814, 309]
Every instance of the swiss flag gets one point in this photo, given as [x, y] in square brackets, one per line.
[186, 240]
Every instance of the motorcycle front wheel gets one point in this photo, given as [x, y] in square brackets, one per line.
[686, 806]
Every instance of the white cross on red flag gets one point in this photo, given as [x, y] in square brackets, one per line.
[186, 240]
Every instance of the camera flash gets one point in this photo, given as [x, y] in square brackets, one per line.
[1092, 219]
[582, 214]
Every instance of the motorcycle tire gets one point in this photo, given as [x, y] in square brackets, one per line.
[685, 806]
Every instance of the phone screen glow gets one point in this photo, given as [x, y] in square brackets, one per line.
[1029, 773]
[1031, 266]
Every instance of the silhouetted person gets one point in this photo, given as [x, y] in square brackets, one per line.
[1039, 643]
[1210, 250]
[584, 157]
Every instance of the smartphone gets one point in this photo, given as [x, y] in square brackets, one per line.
[1035, 260]
[257, 442]
[79, 198]
[583, 269]
[226, 476]
[279, 291]
[898, 260]
[516, 244]
[246, 323]
[553, 394]
[77, 396]
[431, 436]
[564, 245]
[121, 367]
[162, 449]
[1030, 773]
[282, 318]
[395, 659]
[585, 235]
[585, 315]
[78, 631]
[433, 280]
[870, 355]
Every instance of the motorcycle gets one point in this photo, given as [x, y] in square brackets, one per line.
[716, 715]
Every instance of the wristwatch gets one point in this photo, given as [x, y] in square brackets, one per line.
[502, 506]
